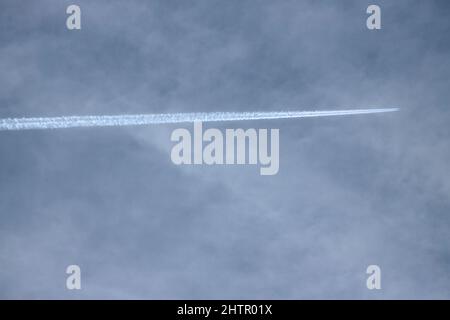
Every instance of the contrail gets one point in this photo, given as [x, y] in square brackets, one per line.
[146, 119]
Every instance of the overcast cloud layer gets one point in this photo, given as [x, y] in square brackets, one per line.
[351, 191]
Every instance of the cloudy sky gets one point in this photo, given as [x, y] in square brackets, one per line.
[351, 191]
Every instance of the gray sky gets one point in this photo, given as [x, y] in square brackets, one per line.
[350, 192]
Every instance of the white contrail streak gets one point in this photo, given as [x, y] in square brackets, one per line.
[145, 119]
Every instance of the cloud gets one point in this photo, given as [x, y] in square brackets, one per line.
[350, 191]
